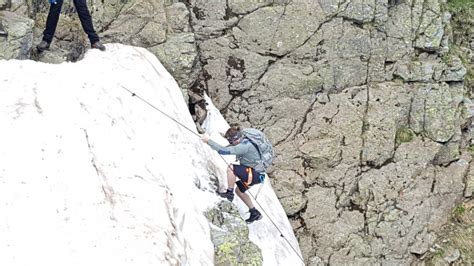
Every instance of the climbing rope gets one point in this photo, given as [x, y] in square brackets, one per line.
[260, 188]
[228, 165]
[154, 107]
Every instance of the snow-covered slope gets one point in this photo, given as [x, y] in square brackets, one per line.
[90, 175]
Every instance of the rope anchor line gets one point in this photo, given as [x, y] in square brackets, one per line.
[133, 94]
[154, 107]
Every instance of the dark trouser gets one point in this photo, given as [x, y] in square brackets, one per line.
[84, 16]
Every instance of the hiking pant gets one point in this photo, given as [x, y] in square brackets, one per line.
[84, 16]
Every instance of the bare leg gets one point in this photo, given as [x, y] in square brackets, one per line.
[230, 177]
[245, 198]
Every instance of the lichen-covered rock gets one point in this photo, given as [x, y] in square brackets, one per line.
[419, 71]
[178, 17]
[210, 18]
[229, 70]
[429, 30]
[178, 56]
[230, 235]
[370, 158]
[328, 226]
[448, 153]
[21, 7]
[455, 70]
[279, 28]
[362, 100]
[16, 36]
[330, 141]
[399, 23]
[360, 10]
[387, 110]
[244, 7]
[469, 190]
[4, 4]
[434, 111]
[289, 190]
[140, 23]
[339, 53]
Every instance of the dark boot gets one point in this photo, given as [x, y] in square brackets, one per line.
[98, 45]
[255, 215]
[229, 194]
[42, 46]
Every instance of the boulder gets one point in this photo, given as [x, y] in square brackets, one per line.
[16, 36]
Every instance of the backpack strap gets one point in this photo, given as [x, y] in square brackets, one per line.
[256, 147]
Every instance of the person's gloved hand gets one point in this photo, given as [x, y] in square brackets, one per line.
[53, 2]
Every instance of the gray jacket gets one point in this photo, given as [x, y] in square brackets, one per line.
[245, 151]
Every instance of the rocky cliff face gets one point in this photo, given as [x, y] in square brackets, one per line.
[364, 100]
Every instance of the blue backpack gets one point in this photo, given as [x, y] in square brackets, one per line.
[263, 146]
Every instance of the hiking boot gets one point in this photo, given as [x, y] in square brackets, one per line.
[229, 194]
[98, 45]
[255, 215]
[42, 46]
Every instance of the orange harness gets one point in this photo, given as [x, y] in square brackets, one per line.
[249, 177]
